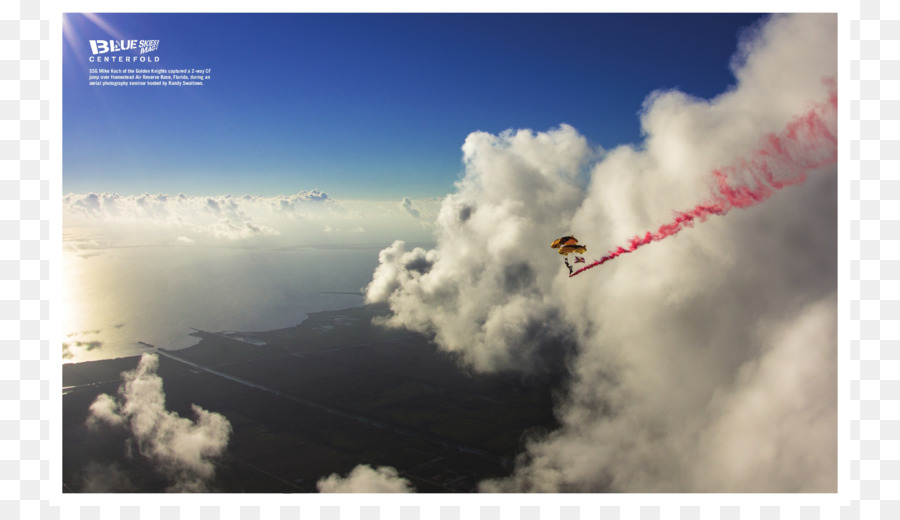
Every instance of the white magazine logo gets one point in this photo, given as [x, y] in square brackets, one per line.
[142, 47]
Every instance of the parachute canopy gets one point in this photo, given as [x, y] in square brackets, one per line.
[568, 245]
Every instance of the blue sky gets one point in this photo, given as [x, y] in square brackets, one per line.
[367, 106]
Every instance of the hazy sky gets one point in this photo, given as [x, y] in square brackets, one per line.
[371, 106]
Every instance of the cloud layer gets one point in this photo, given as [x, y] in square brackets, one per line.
[222, 216]
[182, 449]
[306, 217]
[703, 362]
[162, 206]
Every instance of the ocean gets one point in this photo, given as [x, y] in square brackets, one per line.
[114, 297]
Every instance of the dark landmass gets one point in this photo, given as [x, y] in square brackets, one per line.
[323, 397]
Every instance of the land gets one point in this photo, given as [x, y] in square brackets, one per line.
[320, 398]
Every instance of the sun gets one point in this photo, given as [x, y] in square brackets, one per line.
[75, 25]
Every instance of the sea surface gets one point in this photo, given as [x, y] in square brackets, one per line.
[114, 297]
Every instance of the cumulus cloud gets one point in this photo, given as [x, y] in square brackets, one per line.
[365, 479]
[182, 449]
[703, 362]
[480, 292]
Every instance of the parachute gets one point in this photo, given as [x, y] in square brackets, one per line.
[567, 245]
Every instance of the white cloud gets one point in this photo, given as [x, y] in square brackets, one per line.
[682, 351]
[780, 403]
[182, 449]
[105, 409]
[480, 291]
[365, 479]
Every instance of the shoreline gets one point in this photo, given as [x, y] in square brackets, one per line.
[140, 345]
[249, 338]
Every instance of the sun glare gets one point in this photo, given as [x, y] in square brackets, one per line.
[74, 26]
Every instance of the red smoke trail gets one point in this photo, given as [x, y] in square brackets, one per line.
[805, 144]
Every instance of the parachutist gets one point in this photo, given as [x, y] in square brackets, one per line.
[566, 245]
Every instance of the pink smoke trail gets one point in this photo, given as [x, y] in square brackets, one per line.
[805, 144]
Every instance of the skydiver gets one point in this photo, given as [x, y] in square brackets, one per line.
[566, 260]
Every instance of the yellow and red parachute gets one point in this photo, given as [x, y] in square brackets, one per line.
[567, 245]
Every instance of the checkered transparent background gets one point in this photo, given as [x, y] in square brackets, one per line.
[869, 353]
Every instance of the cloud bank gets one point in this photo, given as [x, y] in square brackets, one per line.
[307, 217]
[222, 216]
[176, 207]
[183, 450]
[703, 362]
[365, 479]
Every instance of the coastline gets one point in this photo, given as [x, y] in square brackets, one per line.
[314, 399]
